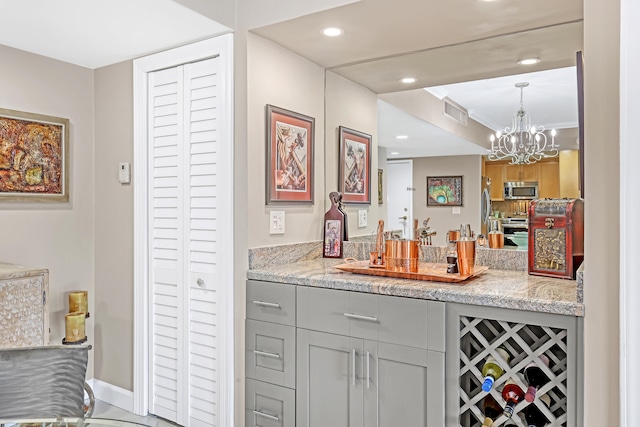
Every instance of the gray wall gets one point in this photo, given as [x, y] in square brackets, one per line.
[442, 219]
[56, 236]
[113, 319]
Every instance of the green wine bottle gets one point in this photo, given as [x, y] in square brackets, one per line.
[492, 370]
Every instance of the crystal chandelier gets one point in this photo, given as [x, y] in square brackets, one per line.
[522, 143]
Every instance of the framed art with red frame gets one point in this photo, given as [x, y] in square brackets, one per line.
[354, 170]
[290, 145]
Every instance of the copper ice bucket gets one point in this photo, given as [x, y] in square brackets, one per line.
[402, 255]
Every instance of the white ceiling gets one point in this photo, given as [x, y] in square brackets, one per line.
[95, 33]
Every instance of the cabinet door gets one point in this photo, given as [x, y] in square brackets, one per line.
[512, 173]
[329, 380]
[496, 173]
[530, 173]
[403, 386]
[549, 184]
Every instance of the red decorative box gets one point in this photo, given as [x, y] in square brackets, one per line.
[556, 237]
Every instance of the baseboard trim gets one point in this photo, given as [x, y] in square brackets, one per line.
[111, 394]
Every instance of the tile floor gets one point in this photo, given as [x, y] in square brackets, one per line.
[104, 410]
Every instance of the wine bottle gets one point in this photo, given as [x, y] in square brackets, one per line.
[534, 416]
[492, 370]
[513, 394]
[535, 377]
[492, 410]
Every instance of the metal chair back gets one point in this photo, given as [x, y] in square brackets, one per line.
[37, 382]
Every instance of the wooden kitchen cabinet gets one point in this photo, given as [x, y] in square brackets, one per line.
[495, 171]
[549, 182]
[523, 173]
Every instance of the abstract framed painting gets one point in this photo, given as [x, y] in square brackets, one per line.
[354, 168]
[34, 152]
[444, 191]
[290, 145]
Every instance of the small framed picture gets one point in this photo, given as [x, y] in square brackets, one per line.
[332, 238]
[444, 191]
[354, 169]
[380, 198]
[290, 145]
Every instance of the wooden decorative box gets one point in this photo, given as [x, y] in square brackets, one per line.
[556, 237]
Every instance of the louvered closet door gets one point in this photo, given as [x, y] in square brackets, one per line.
[184, 297]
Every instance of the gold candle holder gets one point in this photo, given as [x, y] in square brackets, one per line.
[74, 328]
[78, 302]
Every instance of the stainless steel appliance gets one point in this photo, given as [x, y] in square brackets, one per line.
[520, 190]
[485, 204]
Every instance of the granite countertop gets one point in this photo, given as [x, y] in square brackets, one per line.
[493, 288]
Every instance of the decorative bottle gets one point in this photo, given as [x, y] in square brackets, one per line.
[535, 377]
[492, 370]
[513, 394]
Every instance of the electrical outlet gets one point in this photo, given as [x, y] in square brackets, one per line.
[455, 210]
[276, 222]
[362, 218]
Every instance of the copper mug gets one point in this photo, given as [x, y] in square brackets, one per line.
[453, 235]
[466, 256]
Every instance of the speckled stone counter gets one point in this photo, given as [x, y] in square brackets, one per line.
[494, 288]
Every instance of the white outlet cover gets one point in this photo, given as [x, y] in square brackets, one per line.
[276, 222]
[362, 218]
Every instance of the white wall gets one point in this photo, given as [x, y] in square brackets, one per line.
[56, 236]
[442, 219]
[257, 13]
[278, 77]
[113, 320]
[355, 107]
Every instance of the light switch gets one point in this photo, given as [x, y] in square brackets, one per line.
[276, 222]
[362, 218]
[455, 210]
[124, 173]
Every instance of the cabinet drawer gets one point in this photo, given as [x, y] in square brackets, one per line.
[268, 405]
[271, 302]
[271, 353]
[396, 320]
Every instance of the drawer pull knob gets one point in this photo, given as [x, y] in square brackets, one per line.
[269, 416]
[266, 354]
[267, 304]
[361, 317]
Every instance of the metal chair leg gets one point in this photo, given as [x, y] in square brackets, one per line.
[88, 409]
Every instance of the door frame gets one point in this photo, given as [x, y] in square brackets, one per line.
[221, 46]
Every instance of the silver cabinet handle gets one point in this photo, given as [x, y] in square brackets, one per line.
[267, 304]
[368, 376]
[269, 416]
[353, 366]
[361, 317]
[266, 354]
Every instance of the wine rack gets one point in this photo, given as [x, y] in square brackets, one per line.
[479, 331]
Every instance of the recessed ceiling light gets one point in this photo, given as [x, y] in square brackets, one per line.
[529, 61]
[394, 153]
[332, 31]
[408, 80]
[402, 137]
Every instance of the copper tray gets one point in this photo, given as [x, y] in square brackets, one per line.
[426, 271]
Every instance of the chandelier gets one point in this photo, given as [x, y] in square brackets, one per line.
[522, 143]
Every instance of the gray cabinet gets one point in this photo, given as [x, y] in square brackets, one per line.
[349, 375]
[268, 405]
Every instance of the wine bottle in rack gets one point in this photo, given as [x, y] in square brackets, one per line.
[492, 410]
[513, 394]
[492, 370]
[535, 377]
[534, 416]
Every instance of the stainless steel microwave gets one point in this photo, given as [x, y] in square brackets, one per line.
[520, 190]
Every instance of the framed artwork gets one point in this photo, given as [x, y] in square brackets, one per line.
[380, 198]
[290, 145]
[354, 168]
[34, 152]
[444, 191]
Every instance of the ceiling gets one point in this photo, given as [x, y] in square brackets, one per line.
[440, 43]
[93, 33]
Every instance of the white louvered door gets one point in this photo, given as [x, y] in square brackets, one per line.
[184, 246]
